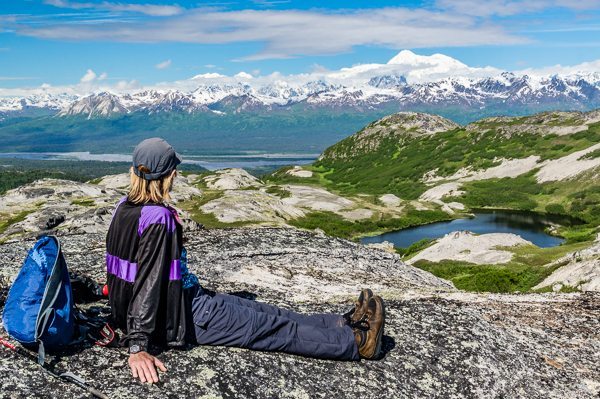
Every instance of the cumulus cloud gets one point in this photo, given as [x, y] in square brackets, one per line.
[210, 75]
[90, 76]
[127, 85]
[243, 75]
[163, 65]
[148, 9]
[583, 68]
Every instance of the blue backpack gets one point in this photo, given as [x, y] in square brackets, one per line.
[39, 308]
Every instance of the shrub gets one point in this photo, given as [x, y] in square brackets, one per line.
[557, 209]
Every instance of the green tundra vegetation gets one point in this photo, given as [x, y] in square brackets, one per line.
[527, 268]
[380, 159]
[399, 162]
[335, 225]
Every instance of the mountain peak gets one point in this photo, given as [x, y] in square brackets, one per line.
[408, 58]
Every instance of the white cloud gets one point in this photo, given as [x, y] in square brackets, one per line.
[291, 33]
[505, 8]
[89, 76]
[163, 65]
[148, 9]
[125, 85]
[243, 75]
[583, 68]
[210, 75]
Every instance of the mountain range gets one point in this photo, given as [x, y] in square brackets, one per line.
[306, 113]
[506, 91]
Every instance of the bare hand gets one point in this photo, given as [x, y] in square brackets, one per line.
[143, 366]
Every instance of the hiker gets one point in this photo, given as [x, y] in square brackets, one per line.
[156, 300]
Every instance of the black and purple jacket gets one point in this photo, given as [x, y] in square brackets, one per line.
[143, 264]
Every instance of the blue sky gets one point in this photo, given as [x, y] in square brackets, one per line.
[57, 41]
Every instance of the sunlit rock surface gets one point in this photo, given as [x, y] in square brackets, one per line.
[438, 342]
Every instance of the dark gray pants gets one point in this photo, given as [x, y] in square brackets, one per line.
[228, 320]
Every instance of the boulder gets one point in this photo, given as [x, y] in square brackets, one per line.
[231, 179]
[468, 247]
[579, 269]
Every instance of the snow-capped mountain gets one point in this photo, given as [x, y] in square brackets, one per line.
[406, 82]
[509, 89]
[35, 104]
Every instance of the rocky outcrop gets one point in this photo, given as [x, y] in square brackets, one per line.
[49, 203]
[468, 247]
[580, 270]
[250, 206]
[401, 124]
[183, 188]
[299, 172]
[315, 198]
[438, 342]
[544, 123]
[231, 179]
[74, 207]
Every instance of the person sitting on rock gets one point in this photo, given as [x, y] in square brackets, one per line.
[154, 298]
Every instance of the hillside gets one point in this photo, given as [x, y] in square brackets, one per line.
[421, 164]
[545, 162]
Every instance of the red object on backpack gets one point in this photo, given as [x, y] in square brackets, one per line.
[105, 290]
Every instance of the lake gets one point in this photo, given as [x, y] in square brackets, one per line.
[528, 225]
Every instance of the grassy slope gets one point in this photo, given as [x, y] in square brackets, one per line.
[524, 271]
[400, 162]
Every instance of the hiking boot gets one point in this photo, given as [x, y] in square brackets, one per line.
[368, 331]
[360, 308]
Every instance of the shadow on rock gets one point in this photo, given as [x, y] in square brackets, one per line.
[387, 345]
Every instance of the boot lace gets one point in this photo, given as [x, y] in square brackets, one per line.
[361, 324]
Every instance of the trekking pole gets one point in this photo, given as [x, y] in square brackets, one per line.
[65, 376]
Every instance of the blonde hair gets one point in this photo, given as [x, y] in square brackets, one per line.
[142, 191]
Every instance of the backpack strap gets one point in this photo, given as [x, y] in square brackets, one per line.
[41, 358]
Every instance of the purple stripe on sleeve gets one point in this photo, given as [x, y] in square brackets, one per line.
[156, 214]
[175, 272]
[121, 268]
